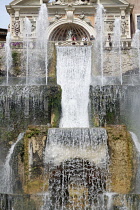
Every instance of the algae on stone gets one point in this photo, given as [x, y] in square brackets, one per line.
[121, 166]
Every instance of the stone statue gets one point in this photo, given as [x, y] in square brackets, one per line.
[69, 35]
[17, 27]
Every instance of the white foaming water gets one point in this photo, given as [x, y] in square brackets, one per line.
[136, 44]
[137, 145]
[26, 42]
[41, 34]
[110, 200]
[84, 143]
[7, 182]
[136, 141]
[99, 26]
[74, 76]
[117, 47]
[76, 158]
[8, 53]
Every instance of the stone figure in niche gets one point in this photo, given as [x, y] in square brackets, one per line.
[123, 27]
[111, 26]
[69, 35]
[17, 27]
[33, 26]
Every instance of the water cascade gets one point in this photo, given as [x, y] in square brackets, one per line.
[8, 59]
[88, 154]
[26, 42]
[7, 181]
[42, 40]
[75, 63]
[137, 146]
[117, 49]
[76, 160]
[99, 47]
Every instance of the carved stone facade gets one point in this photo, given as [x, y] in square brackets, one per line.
[68, 15]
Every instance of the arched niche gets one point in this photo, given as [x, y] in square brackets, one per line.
[61, 32]
[58, 31]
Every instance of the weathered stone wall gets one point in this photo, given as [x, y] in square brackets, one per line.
[111, 60]
[129, 61]
[33, 166]
[105, 105]
[121, 167]
[18, 66]
[24, 105]
[121, 173]
[35, 202]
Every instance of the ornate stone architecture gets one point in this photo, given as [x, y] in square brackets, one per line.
[135, 17]
[67, 16]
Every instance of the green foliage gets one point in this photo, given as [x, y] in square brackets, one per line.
[33, 132]
[16, 62]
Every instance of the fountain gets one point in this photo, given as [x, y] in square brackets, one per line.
[8, 59]
[7, 181]
[136, 45]
[117, 49]
[26, 42]
[75, 153]
[42, 39]
[99, 42]
[35, 52]
[75, 62]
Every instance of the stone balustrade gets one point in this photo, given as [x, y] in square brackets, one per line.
[125, 44]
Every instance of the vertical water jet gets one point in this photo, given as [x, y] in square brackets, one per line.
[26, 42]
[41, 38]
[8, 60]
[117, 48]
[136, 44]
[99, 41]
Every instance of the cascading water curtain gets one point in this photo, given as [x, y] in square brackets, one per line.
[74, 76]
[76, 163]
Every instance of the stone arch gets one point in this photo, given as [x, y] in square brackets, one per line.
[62, 25]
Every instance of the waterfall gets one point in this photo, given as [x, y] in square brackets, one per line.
[7, 179]
[136, 141]
[8, 60]
[76, 160]
[74, 76]
[137, 146]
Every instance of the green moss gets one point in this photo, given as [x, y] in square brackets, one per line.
[26, 160]
[35, 186]
[54, 106]
[16, 62]
[33, 133]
